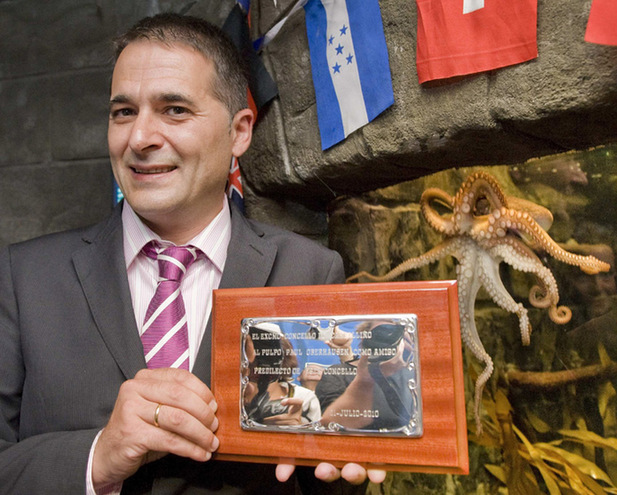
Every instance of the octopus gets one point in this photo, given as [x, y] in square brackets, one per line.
[482, 227]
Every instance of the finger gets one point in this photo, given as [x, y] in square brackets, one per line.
[295, 410]
[179, 376]
[327, 472]
[189, 418]
[167, 441]
[186, 426]
[128, 441]
[376, 475]
[284, 471]
[353, 473]
[169, 390]
[250, 392]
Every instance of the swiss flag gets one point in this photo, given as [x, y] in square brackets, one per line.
[458, 37]
[602, 23]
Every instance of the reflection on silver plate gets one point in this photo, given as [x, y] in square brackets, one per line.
[331, 375]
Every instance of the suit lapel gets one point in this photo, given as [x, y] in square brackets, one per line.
[249, 262]
[249, 256]
[101, 270]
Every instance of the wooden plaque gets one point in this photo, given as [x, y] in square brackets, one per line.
[442, 446]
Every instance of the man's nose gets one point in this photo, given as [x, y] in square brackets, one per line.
[145, 133]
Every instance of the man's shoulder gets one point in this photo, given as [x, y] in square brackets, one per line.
[286, 238]
[60, 244]
[293, 258]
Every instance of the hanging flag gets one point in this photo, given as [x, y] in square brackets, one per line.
[602, 23]
[263, 41]
[262, 86]
[472, 5]
[245, 5]
[349, 62]
[234, 185]
[465, 37]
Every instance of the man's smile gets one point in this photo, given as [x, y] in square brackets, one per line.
[154, 170]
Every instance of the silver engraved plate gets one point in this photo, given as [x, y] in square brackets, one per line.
[331, 375]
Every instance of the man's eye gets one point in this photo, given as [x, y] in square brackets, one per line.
[177, 110]
[122, 112]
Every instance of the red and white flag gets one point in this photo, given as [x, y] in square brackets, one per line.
[602, 23]
[458, 37]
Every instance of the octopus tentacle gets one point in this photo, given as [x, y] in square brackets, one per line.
[539, 296]
[539, 213]
[523, 222]
[444, 225]
[486, 185]
[546, 295]
[515, 253]
[446, 248]
[468, 287]
[478, 185]
[560, 314]
[489, 276]
[481, 184]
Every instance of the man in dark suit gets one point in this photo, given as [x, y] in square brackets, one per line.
[79, 410]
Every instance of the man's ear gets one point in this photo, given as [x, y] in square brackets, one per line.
[242, 131]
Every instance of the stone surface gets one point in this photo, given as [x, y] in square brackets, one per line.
[287, 214]
[65, 35]
[79, 128]
[45, 198]
[564, 99]
[24, 126]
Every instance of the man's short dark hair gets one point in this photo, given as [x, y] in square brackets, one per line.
[230, 82]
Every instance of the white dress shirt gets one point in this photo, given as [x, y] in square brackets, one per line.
[196, 286]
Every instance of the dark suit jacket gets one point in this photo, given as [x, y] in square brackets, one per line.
[68, 340]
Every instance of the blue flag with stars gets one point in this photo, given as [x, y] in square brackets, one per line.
[349, 62]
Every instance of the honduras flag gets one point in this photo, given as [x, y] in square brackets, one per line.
[349, 61]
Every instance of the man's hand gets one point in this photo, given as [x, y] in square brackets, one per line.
[353, 473]
[186, 424]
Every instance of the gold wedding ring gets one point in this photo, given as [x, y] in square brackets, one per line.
[156, 415]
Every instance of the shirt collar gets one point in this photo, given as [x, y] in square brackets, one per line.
[212, 241]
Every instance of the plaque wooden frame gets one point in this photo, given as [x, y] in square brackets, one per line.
[443, 446]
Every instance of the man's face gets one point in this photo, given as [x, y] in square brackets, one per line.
[170, 140]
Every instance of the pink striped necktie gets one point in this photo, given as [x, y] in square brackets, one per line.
[165, 332]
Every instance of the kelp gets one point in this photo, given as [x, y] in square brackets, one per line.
[541, 467]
